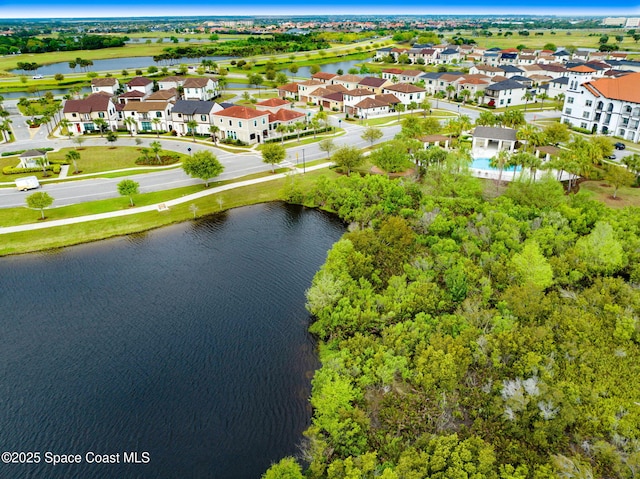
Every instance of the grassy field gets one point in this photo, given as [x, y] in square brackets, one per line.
[56, 237]
[601, 191]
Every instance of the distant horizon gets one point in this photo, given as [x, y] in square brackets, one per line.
[72, 9]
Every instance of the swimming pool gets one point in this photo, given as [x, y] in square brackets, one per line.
[483, 164]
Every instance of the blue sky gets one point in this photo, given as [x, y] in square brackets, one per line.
[77, 8]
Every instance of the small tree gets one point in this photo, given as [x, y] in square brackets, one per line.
[112, 137]
[213, 129]
[400, 108]
[203, 165]
[39, 201]
[371, 134]
[348, 157]
[156, 146]
[192, 125]
[128, 188]
[156, 123]
[618, 176]
[298, 126]
[101, 124]
[272, 154]
[282, 129]
[73, 156]
[327, 145]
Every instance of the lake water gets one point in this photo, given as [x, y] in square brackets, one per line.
[188, 342]
[328, 68]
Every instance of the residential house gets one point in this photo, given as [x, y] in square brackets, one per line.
[374, 84]
[505, 93]
[333, 101]
[350, 82]
[273, 105]
[243, 123]
[185, 111]
[290, 90]
[171, 82]
[324, 77]
[508, 58]
[527, 59]
[474, 85]
[484, 69]
[382, 53]
[133, 95]
[511, 70]
[406, 92]
[370, 107]
[555, 87]
[163, 95]
[284, 117]
[148, 115]
[83, 113]
[351, 97]
[554, 70]
[396, 75]
[609, 105]
[108, 85]
[449, 56]
[140, 84]
[200, 88]
[305, 88]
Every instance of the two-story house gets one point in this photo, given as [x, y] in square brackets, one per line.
[82, 114]
[200, 88]
[201, 113]
[148, 116]
[108, 85]
[406, 92]
[242, 123]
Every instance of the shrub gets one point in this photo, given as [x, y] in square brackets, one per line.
[12, 170]
[581, 130]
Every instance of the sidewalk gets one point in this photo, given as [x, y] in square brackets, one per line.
[156, 207]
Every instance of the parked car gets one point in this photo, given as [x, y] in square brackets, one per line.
[612, 157]
[619, 145]
[37, 77]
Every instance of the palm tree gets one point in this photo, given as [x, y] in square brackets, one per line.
[528, 96]
[477, 95]
[282, 129]
[192, 126]
[5, 126]
[213, 129]
[530, 135]
[400, 108]
[73, 156]
[464, 93]
[543, 96]
[425, 105]
[298, 126]
[450, 89]
[101, 124]
[156, 147]
[323, 117]
[439, 95]
[130, 122]
[315, 124]
[156, 122]
[64, 123]
[499, 161]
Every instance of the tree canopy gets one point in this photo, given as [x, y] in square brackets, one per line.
[203, 165]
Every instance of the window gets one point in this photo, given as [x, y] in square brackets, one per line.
[89, 127]
[583, 125]
[585, 114]
[230, 124]
[179, 115]
[627, 109]
[570, 99]
[101, 114]
[255, 122]
[73, 115]
[158, 114]
[625, 121]
[567, 111]
[146, 125]
[502, 102]
[239, 124]
[203, 117]
[620, 132]
[588, 103]
[263, 121]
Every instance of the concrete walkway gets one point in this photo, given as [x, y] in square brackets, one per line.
[156, 207]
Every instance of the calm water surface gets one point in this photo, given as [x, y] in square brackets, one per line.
[187, 342]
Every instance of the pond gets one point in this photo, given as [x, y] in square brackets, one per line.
[188, 343]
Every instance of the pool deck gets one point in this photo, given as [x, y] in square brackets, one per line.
[506, 175]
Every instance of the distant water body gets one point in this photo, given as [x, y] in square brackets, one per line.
[188, 343]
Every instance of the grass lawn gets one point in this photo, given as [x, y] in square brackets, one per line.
[601, 191]
[56, 237]
[105, 158]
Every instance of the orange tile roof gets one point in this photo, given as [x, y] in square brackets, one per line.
[273, 102]
[323, 75]
[290, 87]
[582, 69]
[242, 112]
[285, 115]
[624, 88]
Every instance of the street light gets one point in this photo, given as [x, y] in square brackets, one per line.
[458, 109]
[304, 164]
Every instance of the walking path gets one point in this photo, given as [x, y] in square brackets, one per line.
[155, 207]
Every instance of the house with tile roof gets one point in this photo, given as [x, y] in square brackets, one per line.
[242, 123]
[333, 101]
[324, 77]
[108, 85]
[305, 88]
[504, 93]
[200, 88]
[397, 75]
[374, 84]
[609, 105]
[484, 69]
[289, 90]
[406, 92]
[350, 82]
[140, 84]
[163, 95]
[185, 111]
[273, 105]
[167, 83]
[83, 113]
[148, 115]
[352, 97]
[284, 117]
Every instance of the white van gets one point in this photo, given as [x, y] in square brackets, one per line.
[27, 183]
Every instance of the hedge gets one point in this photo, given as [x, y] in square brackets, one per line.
[12, 170]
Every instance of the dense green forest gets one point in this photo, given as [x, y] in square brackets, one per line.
[253, 45]
[464, 337]
[25, 43]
